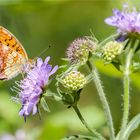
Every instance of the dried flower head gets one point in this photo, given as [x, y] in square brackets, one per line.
[111, 50]
[127, 21]
[74, 81]
[32, 86]
[78, 50]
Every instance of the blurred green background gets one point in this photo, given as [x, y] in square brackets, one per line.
[56, 23]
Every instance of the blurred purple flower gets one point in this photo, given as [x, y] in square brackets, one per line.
[126, 21]
[32, 86]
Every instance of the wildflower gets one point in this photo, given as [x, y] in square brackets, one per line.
[74, 81]
[32, 86]
[111, 50]
[126, 21]
[78, 51]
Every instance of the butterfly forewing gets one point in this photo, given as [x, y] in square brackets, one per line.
[12, 55]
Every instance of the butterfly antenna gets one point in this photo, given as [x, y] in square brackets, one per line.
[44, 50]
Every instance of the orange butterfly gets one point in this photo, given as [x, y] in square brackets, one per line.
[12, 55]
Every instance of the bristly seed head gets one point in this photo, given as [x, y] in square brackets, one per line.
[78, 51]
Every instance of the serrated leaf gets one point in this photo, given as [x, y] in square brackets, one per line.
[44, 105]
[132, 125]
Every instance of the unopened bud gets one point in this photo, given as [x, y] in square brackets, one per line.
[111, 50]
[74, 81]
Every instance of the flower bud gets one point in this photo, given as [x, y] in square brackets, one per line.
[111, 50]
[74, 81]
[78, 50]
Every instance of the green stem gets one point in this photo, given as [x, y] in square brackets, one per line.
[126, 83]
[103, 99]
[94, 132]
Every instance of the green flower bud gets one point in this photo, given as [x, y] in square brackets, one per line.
[74, 81]
[111, 50]
[78, 50]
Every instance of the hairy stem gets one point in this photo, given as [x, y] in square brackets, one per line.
[126, 83]
[103, 99]
[132, 46]
[93, 131]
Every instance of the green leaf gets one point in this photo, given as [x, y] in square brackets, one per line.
[136, 66]
[44, 105]
[109, 69]
[132, 125]
[53, 95]
[49, 93]
[65, 59]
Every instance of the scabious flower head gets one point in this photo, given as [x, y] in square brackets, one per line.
[126, 21]
[74, 81]
[111, 50]
[78, 51]
[32, 86]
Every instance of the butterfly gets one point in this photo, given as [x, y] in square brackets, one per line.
[12, 55]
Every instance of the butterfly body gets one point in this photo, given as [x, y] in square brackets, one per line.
[12, 55]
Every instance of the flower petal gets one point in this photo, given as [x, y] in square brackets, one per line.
[34, 110]
[39, 62]
[47, 60]
[31, 87]
[126, 21]
[53, 70]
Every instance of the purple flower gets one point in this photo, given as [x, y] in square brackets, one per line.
[126, 21]
[32, 86]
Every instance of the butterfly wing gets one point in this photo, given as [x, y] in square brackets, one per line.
[12, 55]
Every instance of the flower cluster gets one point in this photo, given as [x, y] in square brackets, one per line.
[111, 50]
[127, 21]
[32, 86]
[74, 81]
[78, 50]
